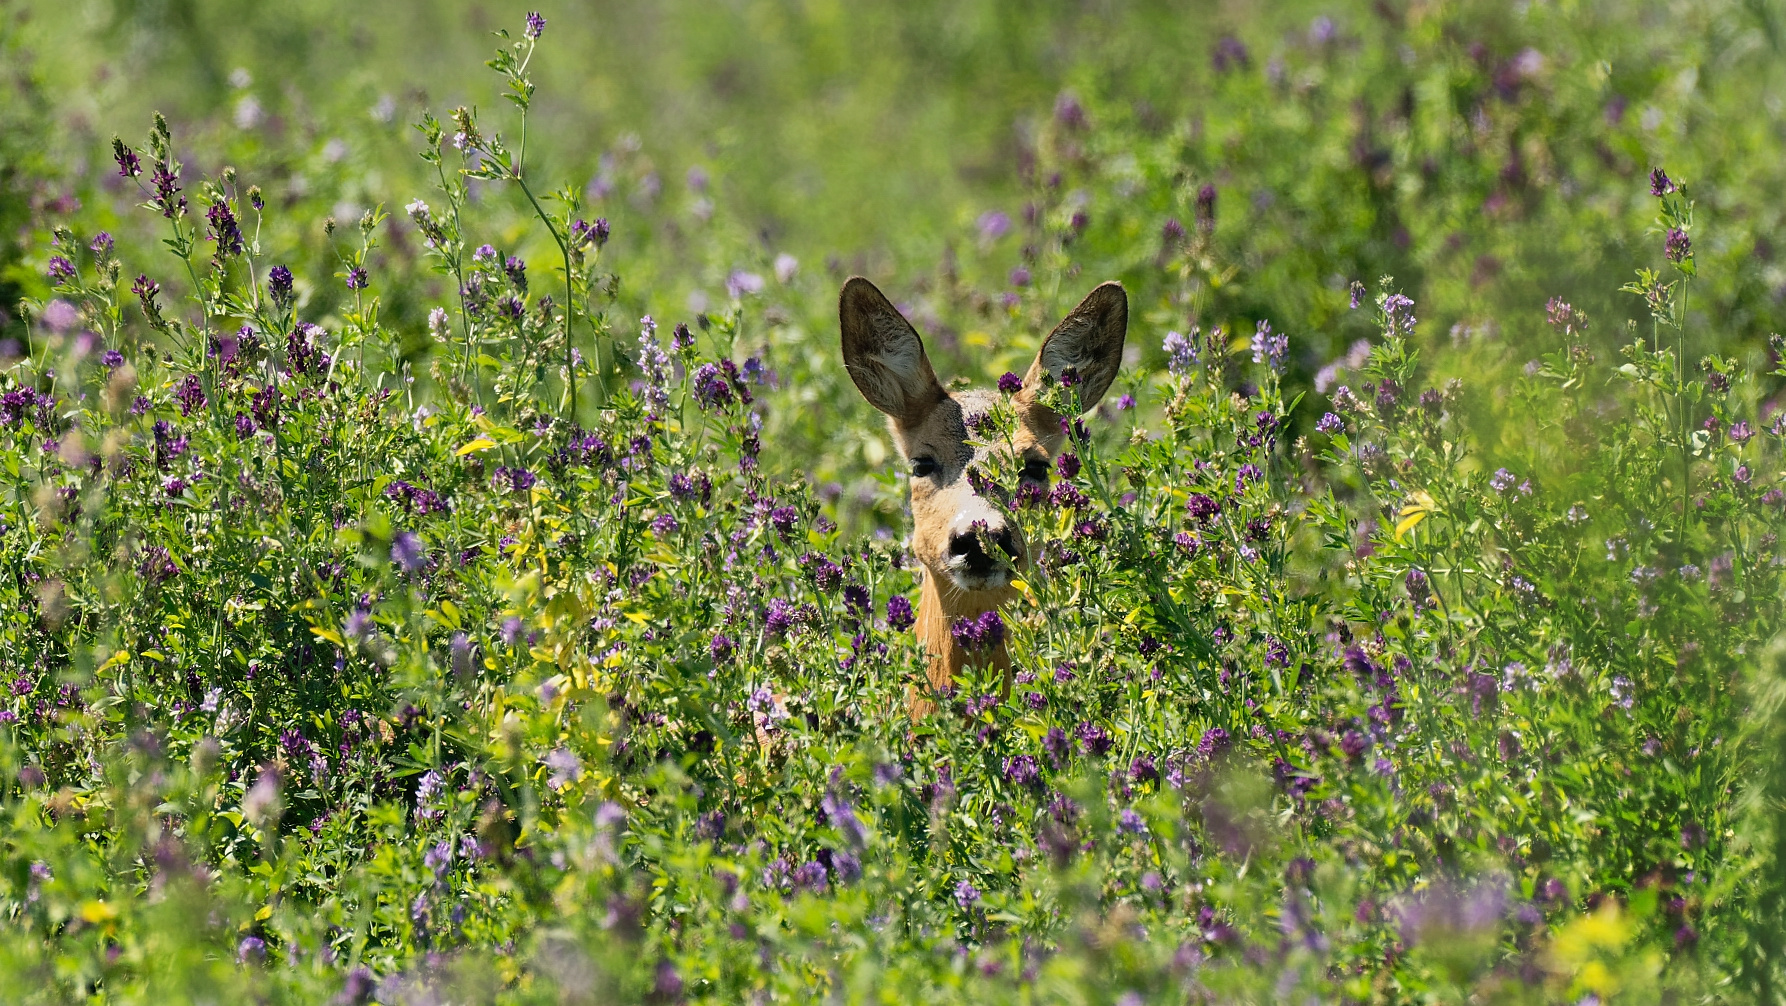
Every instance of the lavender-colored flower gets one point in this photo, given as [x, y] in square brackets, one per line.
[511, 630]
[111, 359]
[1248, 473]
[407, 552]
[665, 525]
[1214, 742]
[1010, 383]
[1023, 771]
[899, 613]
[565, 767]
[1269, 347]
[1093, 739]
[1398, 310]
[1358, 293]
[812, 876]
[1181, 352]
[966, 895]
[1129, 822]
[535, 24]
[1660, 183]
[1502, 480]
[722, 648]
[1330, 424]
[60, 270]
[740, 284]
[1067, 464]
[1677, 246]
[780, 617]
[516, 268]
[356, 278]
[993, 225]
[655, 364]
[252, 950]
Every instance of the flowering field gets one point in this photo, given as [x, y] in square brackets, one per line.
[455, 564]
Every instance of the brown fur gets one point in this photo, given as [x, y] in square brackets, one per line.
[885, 358]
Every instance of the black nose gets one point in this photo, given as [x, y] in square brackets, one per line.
[967, 546]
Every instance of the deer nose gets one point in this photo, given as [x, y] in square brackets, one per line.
[967, 547]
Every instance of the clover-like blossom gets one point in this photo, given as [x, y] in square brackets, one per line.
[1677, 246]
[536, 24]
[1502, 480]
[899, 613]
[1010, 383]
[1330, 424]
[1181, 352]
[1660, 183]
[1269, 347]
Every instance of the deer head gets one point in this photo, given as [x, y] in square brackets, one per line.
[969, 545]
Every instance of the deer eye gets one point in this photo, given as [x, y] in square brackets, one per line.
[923, 467]
[1035, 470]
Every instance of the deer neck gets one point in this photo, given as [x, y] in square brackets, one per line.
[937, 611]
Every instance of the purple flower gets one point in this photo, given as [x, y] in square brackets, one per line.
[1399, 311]
[516, 269]
[101, 245]
[1129, 822]
[966, 895]
[1354, 744]
[252, 950]
[224, 229]
[60, 270]
[1181, 353]
[712, 388]
[899, 613]
[190, 395]
[356, 278]
[1125, 403]
[740, 284]
[993, 225]
[1268, 347]
[1660, 183]
[1330, 424]
[1067, 464]
[1214, 742]
[784, 519]
[1206, 208]
[1677, 246]
[721, 648]
[1202, 508]
[664, 526]
[279, 286]
[1502, 481]
[129, 165]
[856, 599]
[535, 24]
[780, 616]
[1248, 473]
[514, 479]
[983, 633]
[1020, 276]
[1740, 432]
[1093, 739]
[1010, 383]
[812, 876]
[1023, 771]
[244, 426]
[112, 359]
[407, 551]
[1358, 293]
[1057, 747]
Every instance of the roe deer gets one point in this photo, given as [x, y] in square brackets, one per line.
[952, 522]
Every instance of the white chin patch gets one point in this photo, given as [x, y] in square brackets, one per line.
[989, 581]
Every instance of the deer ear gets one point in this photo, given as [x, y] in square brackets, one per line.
[1089, 341]
[884, 355]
